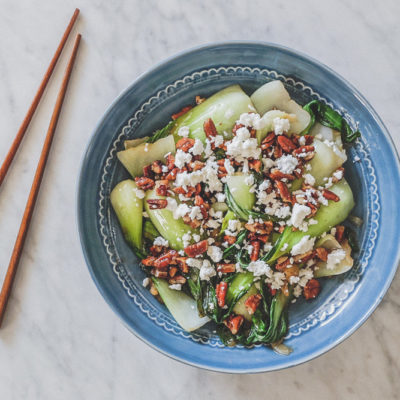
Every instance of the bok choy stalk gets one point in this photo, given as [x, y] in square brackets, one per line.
[320, 112]
[149, 230]
[182, 307]
[129, 209]
[224, 108]
[135, 158]
[327, 217]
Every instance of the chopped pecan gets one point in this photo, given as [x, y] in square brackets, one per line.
[313, 208]
[272, 291]
[178, 279]
[182, 264]
[298, 172]
[193, 223]
[170, 161]
[172, 174]
[200, 100]
[330, 195]
[153, 289]
[282, 263]
[302, 258]
[147, 171]
[220, 292]
[182, 112]
[309, 139]
[209, 128]
[162, 189]
[339, 233]
[256, 165]
[303, 150]
[268, 141]
[275, 174]
[284, 192]
[159, 273]
[230, 239]
[286, 144]
[226, 268]
[172, 271]
[278, 151]
[157, 204]
[196, 248]
[234, 322]
[292, 271]
[166, 259]
[156, 167]
[156, 250]
[185, 144]
[285, 289]
[312, 289]
[149, 261]
[255, 252]
[196, 165]
[322, 253]
[144, 183]
[252, 303]
[264, 228]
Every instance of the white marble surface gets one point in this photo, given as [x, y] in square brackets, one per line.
[60, 340]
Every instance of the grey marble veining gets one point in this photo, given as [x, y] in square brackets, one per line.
[60, 339]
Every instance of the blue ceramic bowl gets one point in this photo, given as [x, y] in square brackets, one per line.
[372, 170]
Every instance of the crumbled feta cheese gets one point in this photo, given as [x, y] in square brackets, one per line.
[306, 244]
[186, 238]
[220, 197]
[277, 280]
[197, 148]
[176, 286]
[194, 262]
[309, 179]
[293, 280]
[243, 146]
[308, 167]
[249, 180]
[299, 212]
[181, 211]
[146, 147]
[282, 212]
[228, 166]
[302, 141]
[139, 193]
[267, 247]
[215, 253]
[160, 241]
[207, 271]
[195, 213]
[183, 131]
[196, 237]
[305, 274]
[334, 258]
[146, 282]
[258, 268]
[268, 164]
[281, 125]
[285, 246]
[181, 158]
[287, 164]
[338, 174]
[164, 169]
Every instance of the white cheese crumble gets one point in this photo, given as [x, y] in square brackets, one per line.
[139, 193]
[215, 253]
[186, 238]
[338, 174]
[196, 237]
[181, 158]
[302, 141]
[281, 125]
[197, 148]
[299, 212]
[334, 258]
[183, 131]
[287, 164]
[206, 271]
[258, 268]
[309, 179]
[306, 244]
[146, 282]
[176, 286]
[228, 166]
[160, 241]
[220, 197]
[243, 146]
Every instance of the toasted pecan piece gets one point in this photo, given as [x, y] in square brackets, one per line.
[312, 289]
[252, 303]
[183, 111]
[220, 292]
[197, 248]
[144, 183]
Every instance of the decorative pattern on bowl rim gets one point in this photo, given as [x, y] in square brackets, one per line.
[108, 233]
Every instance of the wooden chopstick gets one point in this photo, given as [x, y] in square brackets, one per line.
[28, 117]
[30, 205]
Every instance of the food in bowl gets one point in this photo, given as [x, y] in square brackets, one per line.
[236, 209]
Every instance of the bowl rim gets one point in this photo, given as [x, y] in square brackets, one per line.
[310, 356]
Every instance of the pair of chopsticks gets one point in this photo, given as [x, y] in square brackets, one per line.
[30, 205]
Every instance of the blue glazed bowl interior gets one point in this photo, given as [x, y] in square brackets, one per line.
[345, 301]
